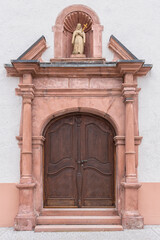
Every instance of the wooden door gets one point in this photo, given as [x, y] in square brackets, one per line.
[78, 162]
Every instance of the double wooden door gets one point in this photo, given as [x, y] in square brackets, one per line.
[78, 162]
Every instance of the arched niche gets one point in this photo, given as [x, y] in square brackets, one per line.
[65, 25]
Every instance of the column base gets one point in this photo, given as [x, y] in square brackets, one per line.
[131, 218]
[24, 222]
[26, 218]
[132, 222]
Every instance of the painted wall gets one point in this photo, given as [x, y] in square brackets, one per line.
[135, 23]
[149, 206]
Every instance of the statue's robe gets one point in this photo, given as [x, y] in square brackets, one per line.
[78, 41]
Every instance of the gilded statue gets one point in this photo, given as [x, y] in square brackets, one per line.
[78, 40]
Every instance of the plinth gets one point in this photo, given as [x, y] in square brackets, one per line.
[78, 56]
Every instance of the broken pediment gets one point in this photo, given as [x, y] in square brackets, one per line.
[120, 51]
[92, 65]
[30, 61]
[35, 51]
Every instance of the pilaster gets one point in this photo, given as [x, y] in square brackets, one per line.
[25, 219]
[37, 143]
[130, 215]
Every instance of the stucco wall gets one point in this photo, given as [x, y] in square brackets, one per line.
[134, 23]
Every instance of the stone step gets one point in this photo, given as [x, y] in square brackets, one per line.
[77, 228]
[74, 220]
[79, 212]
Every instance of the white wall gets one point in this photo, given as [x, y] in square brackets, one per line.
[134, 22]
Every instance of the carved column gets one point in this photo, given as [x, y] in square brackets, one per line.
[25, 219]
[130, 215]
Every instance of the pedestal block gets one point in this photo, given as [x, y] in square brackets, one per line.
[25, 219]
[131, 219]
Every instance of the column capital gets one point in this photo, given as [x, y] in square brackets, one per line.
[129, 87]
[129, 91]
[38, 140]
[119, 140]
[27, 99]
[128, 94]
[26, 91]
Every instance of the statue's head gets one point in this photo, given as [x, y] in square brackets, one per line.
[79, 26]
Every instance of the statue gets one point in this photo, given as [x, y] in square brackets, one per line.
[78, 40]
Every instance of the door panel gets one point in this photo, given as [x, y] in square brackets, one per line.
[60, 189]
[97, 138]
[79, 162]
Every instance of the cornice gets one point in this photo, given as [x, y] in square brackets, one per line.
[132, 67]
[78, 69]
[26, 66]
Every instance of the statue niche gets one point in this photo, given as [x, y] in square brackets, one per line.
[78, 40]
[64, 36]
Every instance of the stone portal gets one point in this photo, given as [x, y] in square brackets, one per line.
[88, 86]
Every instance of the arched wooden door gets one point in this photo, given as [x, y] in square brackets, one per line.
[79, 162]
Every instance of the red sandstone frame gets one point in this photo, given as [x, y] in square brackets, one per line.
[105, 89]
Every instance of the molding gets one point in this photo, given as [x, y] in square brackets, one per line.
[36, 140]
[131, 185]
[120, 140]
[26, 185]
[120, 49]
[78, 92]
[79, 60]
[77, 69]
[19, 139]
[27, 91]
[138, 140]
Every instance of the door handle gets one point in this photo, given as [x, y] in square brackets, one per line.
[83, 161]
